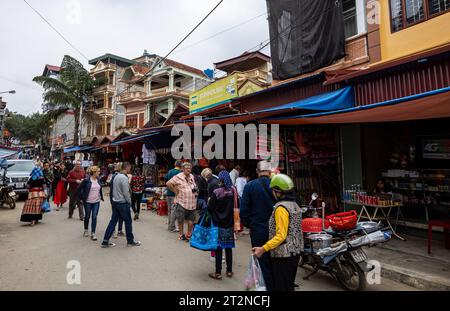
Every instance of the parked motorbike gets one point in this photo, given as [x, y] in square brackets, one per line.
[7, 194]
[339, 252]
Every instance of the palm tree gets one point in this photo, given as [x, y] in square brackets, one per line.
[71, 90]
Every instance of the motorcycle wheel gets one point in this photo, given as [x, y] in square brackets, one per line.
[350, 277]
[10, 202]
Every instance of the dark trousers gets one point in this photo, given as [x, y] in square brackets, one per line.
[120, 211]
[284, 273]
[258, 240]
[228, 259]
[75, 201]
[91, 209]
[136, 199]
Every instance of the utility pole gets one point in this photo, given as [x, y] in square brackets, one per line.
[80, 128]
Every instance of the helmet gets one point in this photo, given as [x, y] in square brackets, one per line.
[282, 183]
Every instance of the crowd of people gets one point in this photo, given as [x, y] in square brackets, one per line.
[266, 207]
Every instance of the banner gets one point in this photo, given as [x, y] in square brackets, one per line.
[305, 35]
[214, 94]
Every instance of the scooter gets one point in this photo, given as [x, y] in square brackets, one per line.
[7, 194]
[340, 253]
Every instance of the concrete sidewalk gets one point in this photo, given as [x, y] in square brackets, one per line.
[409, 263]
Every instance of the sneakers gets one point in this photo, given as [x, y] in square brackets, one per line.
[120, 233]
[136, 216]
[85, 234]
[93, 237]
[115, 236]
[135, 243]
[107, 245]
[175, 230]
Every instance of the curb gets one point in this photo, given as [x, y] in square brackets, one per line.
[414, 279]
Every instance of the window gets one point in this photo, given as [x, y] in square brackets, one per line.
[141, 120]
[350, 22]
[438, 6]
[414, 11]
[132, 121]
[405, 13]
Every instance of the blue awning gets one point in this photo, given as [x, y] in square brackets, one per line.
[78, 148]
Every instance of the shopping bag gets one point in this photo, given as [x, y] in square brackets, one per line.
[254, 280]
[205, 238]
[46, 207]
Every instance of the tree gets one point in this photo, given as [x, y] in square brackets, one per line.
[30, 127]
[71, 91]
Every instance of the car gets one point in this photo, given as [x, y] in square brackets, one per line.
[17, 175]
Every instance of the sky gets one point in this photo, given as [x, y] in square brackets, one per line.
[122, 27]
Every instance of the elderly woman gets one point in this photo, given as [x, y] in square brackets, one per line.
[221, 207]
[32, 210]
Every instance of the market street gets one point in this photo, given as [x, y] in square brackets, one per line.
[35, 258]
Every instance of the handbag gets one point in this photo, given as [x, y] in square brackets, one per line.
[46, 207]
[205, 238]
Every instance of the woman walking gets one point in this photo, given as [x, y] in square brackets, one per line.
[285, 233]
[61, 186]
[137, 191]
[32, 210]
[221, 208]
[91, 193]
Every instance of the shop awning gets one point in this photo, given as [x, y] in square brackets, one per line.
[336, 100]
[78, 148]
[134, 138]
[6, 153]
[428, 105]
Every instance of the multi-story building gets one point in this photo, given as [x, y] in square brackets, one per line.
[158, 90]
[2, 120]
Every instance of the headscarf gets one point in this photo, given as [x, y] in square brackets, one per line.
[225, 179]
[36, 173]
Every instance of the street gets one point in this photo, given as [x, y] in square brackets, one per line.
[35, 258]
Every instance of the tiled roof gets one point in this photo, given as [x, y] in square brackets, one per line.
[181, 66]
[53, 68]
[140, 69]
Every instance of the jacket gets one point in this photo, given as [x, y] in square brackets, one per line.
[221, 208]
[85, 188]
[73, 177]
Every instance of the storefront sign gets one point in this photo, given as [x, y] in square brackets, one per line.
[214, 94]
[436, 149]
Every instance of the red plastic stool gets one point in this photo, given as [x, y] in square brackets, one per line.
[439, 223]
[162, 208]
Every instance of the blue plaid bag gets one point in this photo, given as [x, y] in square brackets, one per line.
[205, 238]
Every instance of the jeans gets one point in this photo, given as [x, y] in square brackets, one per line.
[88, 209]
[228, 259]
[120, 211]
[136, 199]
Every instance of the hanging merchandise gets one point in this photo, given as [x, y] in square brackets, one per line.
[148, 155]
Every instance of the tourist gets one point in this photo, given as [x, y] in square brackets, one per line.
[91, 193]
[186, 192]
[255, 211]
[173, 225]
[74, 179]
[137, 191]
[234, 174]
[120, 195]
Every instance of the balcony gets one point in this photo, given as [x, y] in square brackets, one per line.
[109, 88]
[130, 97]
[161, 91]
[102, 68]
[256, 74]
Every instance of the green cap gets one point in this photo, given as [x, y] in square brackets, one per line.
[282, 183]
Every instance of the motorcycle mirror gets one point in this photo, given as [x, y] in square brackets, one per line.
[314, 196]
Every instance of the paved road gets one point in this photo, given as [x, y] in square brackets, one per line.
[35, 258]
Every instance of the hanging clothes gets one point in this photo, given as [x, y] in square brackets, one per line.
[148, 155]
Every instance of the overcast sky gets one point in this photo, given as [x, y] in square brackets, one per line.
[121, 27]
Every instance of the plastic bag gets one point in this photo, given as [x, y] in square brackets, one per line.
[46, 207]
[254, 280]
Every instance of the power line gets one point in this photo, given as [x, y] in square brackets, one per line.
[221, 32]
[56, 30]
[171, 51]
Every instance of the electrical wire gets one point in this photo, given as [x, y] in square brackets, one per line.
[56, 30]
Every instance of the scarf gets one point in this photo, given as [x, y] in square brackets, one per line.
[225, 179]
[36, 173]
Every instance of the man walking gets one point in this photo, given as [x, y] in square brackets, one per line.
[173, 226]
[256, 209]
[75, 177]
[120, 195]
[186, 192]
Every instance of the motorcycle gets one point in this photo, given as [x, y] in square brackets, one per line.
[340, 253]
[7, 194]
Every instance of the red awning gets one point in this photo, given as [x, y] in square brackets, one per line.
[427, 107]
